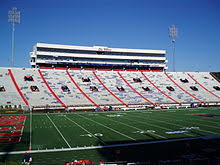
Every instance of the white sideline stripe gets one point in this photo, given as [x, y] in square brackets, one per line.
[162, 127]
[108, 146]
[85, 130]
[136, 128]
[58, 131]
[108, 128]
[194, 123]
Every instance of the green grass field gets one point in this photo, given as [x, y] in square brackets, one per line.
[54, 132]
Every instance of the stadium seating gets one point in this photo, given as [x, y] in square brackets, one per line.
[79, 88]
[10, 96]
[201, 94]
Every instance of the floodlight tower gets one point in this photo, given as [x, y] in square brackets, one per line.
[13, 18]
[173, 33]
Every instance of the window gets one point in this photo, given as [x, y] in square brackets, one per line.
[28, 78]
[216, 88]
[100, 52]
[86, 80]
[2, 89]
[146, 88]
[121, 88]
[194, 88]
[34, 89]
[93, 88]
[65, 88]
[137, 80]
[184, 80]
[170, 88]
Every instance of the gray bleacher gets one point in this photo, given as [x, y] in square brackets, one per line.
[111, 79]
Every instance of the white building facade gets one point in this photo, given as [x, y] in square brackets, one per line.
[69, 56]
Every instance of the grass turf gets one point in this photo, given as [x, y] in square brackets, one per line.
[49, 131]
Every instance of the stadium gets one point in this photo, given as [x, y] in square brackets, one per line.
[101, 105]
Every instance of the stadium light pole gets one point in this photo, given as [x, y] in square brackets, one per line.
[173, 33]
[13, 18]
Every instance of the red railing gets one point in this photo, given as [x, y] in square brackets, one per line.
[160, 90]
[16, 86]
[182, 88]
[51, 90]
[135, 89]
[202, 86]
[74, 82]
[109, 90]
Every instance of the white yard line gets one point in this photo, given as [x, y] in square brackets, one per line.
[160, 126]
[58, 131]
[136, 128]
[190, 123]
[108, 128]
[86, 130]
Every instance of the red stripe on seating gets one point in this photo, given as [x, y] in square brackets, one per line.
[50, 89]
[135, 89]
[182, 88]
[16, 86]
[203, 86]
[159, 89]
[71, 78]
[109, 90]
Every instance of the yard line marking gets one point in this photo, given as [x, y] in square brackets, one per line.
[108, 127]
[136, 128]
[159, 126]
[197, 123]
[187, 123]
[58, 131]
[85, 130]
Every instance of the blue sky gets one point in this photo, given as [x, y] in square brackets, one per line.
[116, 23]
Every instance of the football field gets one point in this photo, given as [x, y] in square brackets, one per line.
[57, 132]
[72, 130]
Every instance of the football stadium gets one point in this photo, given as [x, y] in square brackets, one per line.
[101, 105]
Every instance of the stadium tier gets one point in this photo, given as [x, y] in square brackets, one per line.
[70, 56]
[79, 88]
